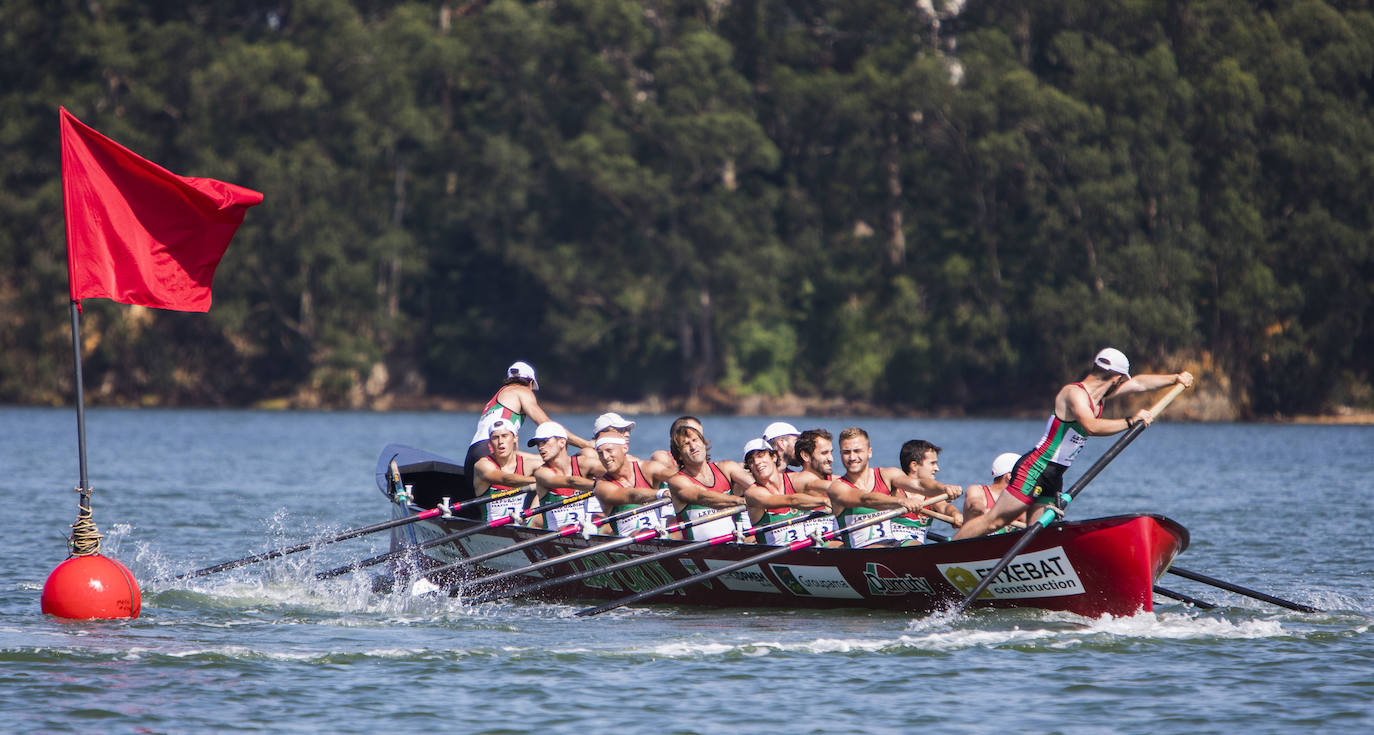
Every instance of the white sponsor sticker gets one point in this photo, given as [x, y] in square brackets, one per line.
[748, 579]
[1045, 573]
[808, 581]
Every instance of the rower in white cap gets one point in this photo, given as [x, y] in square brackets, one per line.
[782, 437]
[562, 475]
[980, 499]
[1038, 476]
[513, 401]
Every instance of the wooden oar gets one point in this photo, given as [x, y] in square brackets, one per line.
[1052, 512]
[797, 545]
[305, 546]
[543, 539]
[530, 589]
[644, 535]
[1229, 587]
[447, 538]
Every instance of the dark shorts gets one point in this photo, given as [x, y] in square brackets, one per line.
[1036, 481]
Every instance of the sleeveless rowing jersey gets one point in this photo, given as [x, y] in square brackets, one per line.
[868, 535]
[505, 506]
[793, 531]
[573, 513]
[639, 521]
[1063, 440]
[720, 526]
[495, 410]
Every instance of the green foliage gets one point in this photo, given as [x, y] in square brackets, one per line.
[851, 198]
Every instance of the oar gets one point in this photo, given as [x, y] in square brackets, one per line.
[1229, 587]
[530, 589]
[644, 535]
[447, 538]
[797, 545]
[305, 546]
[542, 539]
[1052, 512]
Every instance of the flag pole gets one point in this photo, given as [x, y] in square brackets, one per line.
[80, 404]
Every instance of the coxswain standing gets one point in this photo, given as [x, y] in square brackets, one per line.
[1038, 476]
[772, 498]
[513, 401]
[702, 487]
[865, 491]
[503, 469]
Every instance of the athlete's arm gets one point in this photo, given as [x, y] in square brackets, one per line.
[529, 405]
[687, 492]
[490, 472]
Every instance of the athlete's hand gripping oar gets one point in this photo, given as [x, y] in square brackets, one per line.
[564, 532]
[447, 538]
[751, 561]
[645, 535]
[640, 560]
[1055, 511]
[1229, 587]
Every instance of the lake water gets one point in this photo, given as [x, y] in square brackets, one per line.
[1282, 509]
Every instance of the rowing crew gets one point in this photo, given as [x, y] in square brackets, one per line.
[710, 498]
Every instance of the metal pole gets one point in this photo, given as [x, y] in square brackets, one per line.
[80, 404]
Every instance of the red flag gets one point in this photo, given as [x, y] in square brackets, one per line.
[138, 233]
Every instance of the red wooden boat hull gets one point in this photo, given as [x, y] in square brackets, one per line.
[1102, 566]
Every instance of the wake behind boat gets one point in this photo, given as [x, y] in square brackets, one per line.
[1092, 567]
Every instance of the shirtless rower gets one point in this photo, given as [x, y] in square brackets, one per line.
[1038, 476]
[561, 475]
[782, 436]
[630, 484]
[772, 498]
[505, 469]
[979, 499]
[701, 487]
[513, 401]
[864, 491]
[921, 461]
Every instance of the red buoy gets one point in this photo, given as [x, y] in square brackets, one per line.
[87, 587]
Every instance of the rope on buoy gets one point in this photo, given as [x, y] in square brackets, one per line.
[85, 538]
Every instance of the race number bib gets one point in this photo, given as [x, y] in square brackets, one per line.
[506, 506]
[868, 535]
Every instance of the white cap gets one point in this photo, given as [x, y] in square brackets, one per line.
[548, 430]
[1004, 463]
[503, 425]
[1110, 358]
[611, 420]
[777, 429]
[603, 441]
[755, 445]
[524, 370]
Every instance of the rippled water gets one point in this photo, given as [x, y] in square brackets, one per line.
[1282, 509]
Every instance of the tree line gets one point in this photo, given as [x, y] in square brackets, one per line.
[940, 205]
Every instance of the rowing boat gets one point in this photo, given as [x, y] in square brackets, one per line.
[1101, 566]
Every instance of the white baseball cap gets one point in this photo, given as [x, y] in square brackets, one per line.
[1004, 463]
[522, 369]
[547, 430]
[777, 429]
[611, 420]
[755, 445]
[503, 425]
[1110, 358]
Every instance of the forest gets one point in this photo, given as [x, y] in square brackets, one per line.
[931, 206]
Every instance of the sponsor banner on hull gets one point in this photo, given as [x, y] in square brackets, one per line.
[748, 579]
[884, 582]
[1045, 573]
[810, 581]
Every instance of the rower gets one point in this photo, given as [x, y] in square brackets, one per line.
[1038, 476]
[979, 499]
[772, 498]
[665, 457]
[702, 487]
[865, 491]
[921, 461]
[504, 469]
[782, 436]
[561, 476]
[630, 484]
[513, 401]
[607, 424]
[816, 453]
